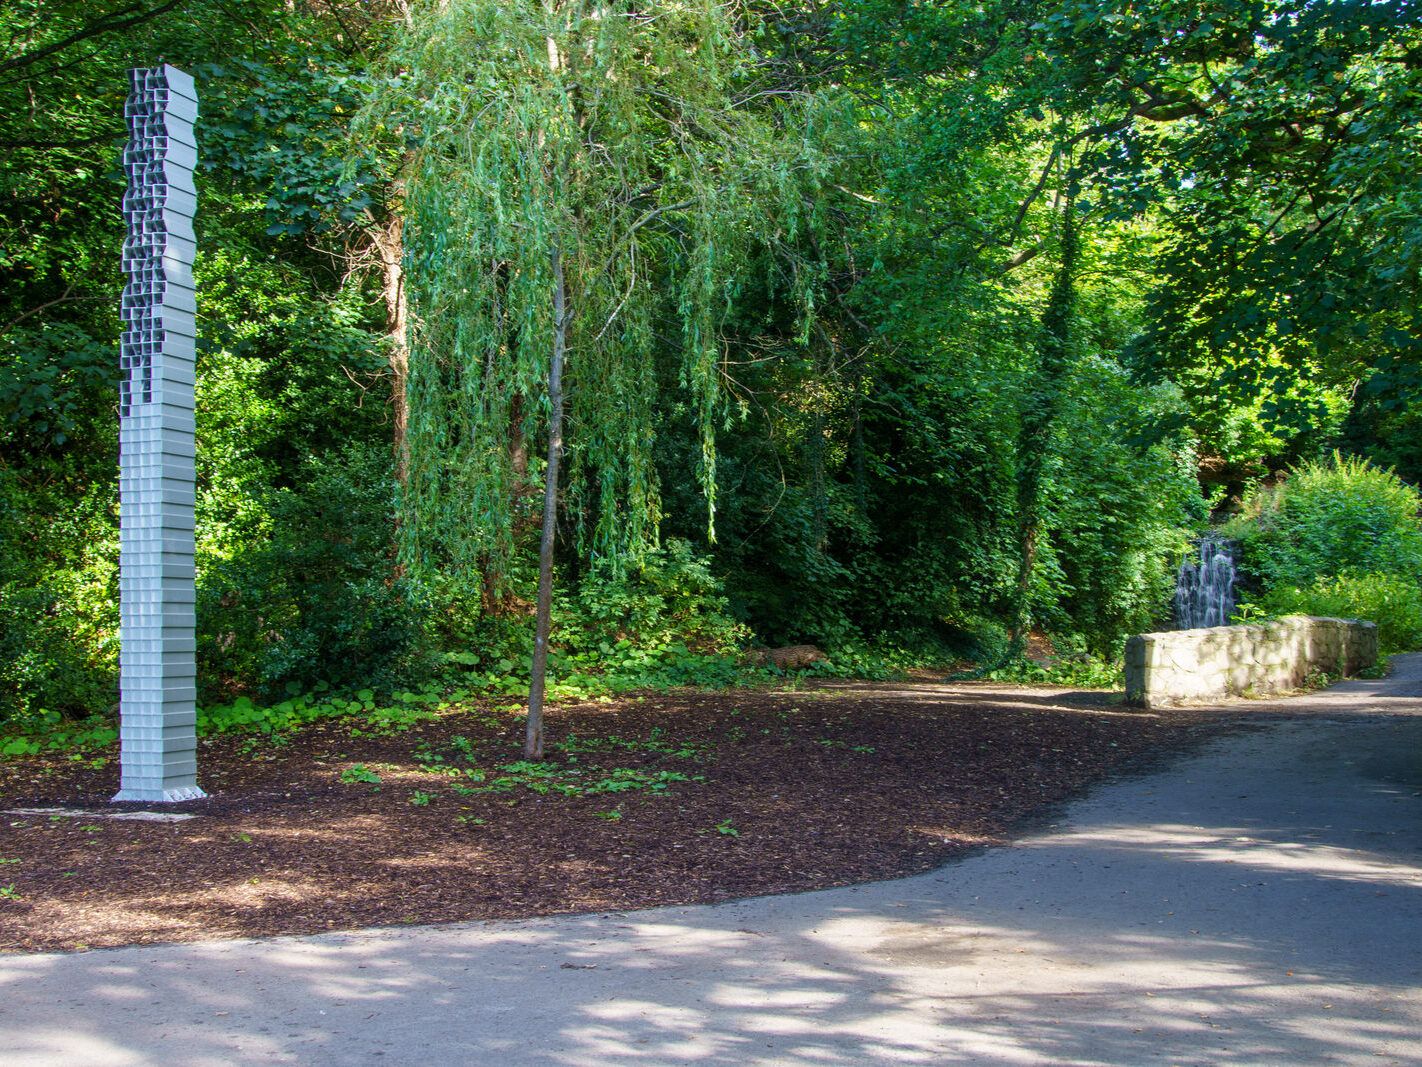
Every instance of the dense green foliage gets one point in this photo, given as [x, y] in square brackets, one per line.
[602, 157]
[955, 316]
[1340, 538]
[1341, 516]
[1394, 603]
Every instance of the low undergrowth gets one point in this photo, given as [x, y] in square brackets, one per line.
[605, 670]
[602, 671]
[1078, 672]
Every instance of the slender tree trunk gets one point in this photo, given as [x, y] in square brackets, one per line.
[538, 677]
[861, 507]
[1026, 567]
[390, 243]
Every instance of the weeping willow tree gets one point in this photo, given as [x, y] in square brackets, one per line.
[588, 179]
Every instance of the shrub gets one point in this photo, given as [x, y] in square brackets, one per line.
[1118, 512]
[660, 622]
[1338, 538]
[321, 600]
[671, 597]
[663, 622]
[47, 670]
[58, 600]
[1395, 604]
[1329, 519]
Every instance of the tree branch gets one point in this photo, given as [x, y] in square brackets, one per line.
[63, 298]
[106, 24]
[1037, 189]
[84, 142]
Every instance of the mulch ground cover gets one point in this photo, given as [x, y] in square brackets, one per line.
[661, 798]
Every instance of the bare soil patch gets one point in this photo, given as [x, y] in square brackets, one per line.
[660, 798]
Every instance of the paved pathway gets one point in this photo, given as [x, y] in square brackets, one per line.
[1257, 903]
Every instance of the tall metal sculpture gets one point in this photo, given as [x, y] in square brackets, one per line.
[157, 668]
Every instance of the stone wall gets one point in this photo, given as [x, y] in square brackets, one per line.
[1198, 666]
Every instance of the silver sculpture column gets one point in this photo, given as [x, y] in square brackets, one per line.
[157, 670]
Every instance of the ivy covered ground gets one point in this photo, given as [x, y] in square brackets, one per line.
[663, 798]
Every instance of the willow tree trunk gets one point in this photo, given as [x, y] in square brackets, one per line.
[538, 676]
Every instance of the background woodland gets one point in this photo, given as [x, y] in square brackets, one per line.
[898, 328]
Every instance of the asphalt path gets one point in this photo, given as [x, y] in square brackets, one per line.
[1257, 902]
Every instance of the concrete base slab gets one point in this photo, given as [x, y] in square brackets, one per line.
[84, 813]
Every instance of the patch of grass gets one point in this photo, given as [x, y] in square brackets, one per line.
[553, 779]
[1381, 669]
[75, 737]
[269, 725]
[656, 742]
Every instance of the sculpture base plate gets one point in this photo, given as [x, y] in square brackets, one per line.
[160, 796]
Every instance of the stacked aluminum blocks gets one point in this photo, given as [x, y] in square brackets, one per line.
[157, 672]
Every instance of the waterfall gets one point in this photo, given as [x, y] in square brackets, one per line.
[1204, 589]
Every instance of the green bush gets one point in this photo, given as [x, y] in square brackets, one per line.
[1338, 538]
[671, 597]
[1330, 519]
[1395, 604]
[663, 622]
[1118, 509]
[321, 600]
[47, 670]
[1085, 672]
[58, 600]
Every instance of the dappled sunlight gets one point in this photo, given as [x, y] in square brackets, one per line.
[94, 920]
[210, 908]
[352, 828]
[1237, 845]
[24, 1042]
[949, 834]
[1004, 701]
[753, 998]
[932, 984]
[997, 697]
[255, 892]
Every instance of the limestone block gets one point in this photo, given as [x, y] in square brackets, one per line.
[1135, 654]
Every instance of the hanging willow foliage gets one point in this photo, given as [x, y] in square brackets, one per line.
[633, 141]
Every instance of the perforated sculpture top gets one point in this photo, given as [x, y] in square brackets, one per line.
[159, 200]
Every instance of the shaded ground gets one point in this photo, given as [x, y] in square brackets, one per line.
[658, 799]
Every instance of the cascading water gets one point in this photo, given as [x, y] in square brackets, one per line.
[1204, 589]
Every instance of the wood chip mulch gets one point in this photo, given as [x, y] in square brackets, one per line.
[760, 792]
